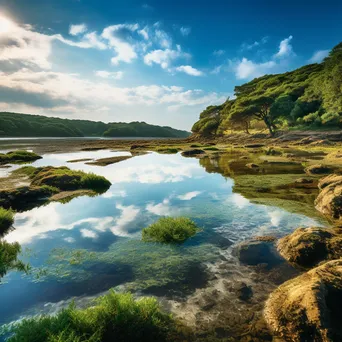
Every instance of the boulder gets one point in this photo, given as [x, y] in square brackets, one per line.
[329, 200]
[252, 166]
[308, 308]
[307, 247]
[318, 170]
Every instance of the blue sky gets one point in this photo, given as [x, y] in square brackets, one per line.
[161, 62]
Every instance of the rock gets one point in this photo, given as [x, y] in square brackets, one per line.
[317, 169]
[254, 145]
[308, 308]
[307, 247]
[244, 157]
[252, 166]
[255, 252]
[303, 181]
[193, 152]
[244, 292]
[329, 200]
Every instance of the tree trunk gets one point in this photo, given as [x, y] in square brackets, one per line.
[269, 126]
[246, 127]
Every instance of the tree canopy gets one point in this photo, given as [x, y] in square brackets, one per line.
[308, 97]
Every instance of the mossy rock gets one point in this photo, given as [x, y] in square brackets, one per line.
[18, 157]
[318, 170]
[190, 153]
[308, 308]
[307, 247]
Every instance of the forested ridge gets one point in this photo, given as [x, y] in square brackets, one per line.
[25, 125]
[307, 98]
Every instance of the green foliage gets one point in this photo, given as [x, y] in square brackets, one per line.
[170, 230]
[18, 157]
[309, 97]
[9, 258]
[24, 125]
[114, 317]
[63, 178]
[6, 219]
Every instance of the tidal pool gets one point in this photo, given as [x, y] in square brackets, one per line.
[82, 248]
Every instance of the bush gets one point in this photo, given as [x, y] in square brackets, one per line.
[6, 219]
[18, 157]
[115, 317]
[170, 230]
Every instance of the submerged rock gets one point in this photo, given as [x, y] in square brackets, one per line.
[329, 200]
[257, 251]
[307, 247]
[317, 170]
[307, 308]
[194, 152]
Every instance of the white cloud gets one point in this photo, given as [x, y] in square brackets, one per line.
[188, 69]
[87, 233]
[318, 56]
[248, 69]
[75, 30]
[164, 57]
[189, 195]
[185, 31]
[69, 239]
[127, 216]
[163, 39]
[160, 209]
[219, 52]
[125, 51]
[250, 46]
[107, 74]
[285, 48]
[144, 33]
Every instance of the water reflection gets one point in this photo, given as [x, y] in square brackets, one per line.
[90, 244]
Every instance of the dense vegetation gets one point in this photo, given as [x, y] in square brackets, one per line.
[18, 157]
[115, 317]
[24, 125]
[306, 98]
[170, 230]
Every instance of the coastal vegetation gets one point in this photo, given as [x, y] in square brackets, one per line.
[18, 157]
[114, 316]
[306, 98]
[170, 230]
[25, 125]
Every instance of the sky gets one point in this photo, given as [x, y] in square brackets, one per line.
[158, 61]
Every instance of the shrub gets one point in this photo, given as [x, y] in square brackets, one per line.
[115, 317]
[18, 157]
[170, 230]
[6, 219]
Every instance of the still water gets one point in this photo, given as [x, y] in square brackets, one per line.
[84, 247]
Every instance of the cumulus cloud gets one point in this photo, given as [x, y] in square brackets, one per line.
[107, 74]
[185, 31]
[164, 57]
[318, 56]
[188, 69]
[249, 69]
[285, 48]
[75, 30]
[189, 195]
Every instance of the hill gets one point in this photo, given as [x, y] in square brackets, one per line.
[307, 98]
[25, 125]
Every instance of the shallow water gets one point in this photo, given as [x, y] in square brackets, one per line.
[82, 248]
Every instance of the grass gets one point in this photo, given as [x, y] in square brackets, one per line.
[18, 157]
[167, 150]
[170, 230]
[114, 317]
[6, 219]
[64, 179]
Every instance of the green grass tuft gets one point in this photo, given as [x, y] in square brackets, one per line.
[114, 317]
[6, 219]
[170, 230]
[18, 157]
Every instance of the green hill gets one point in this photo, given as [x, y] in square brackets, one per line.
[25, 125]
[307, 98]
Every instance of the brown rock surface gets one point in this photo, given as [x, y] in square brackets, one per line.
[308, 308]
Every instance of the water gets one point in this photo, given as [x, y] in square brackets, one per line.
[82, 248]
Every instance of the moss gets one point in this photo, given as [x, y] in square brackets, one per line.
[108, 161]
[211, 149]
[167, 150]
[113, 317]
[6, 219]
[18, 157]
[170, 230]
